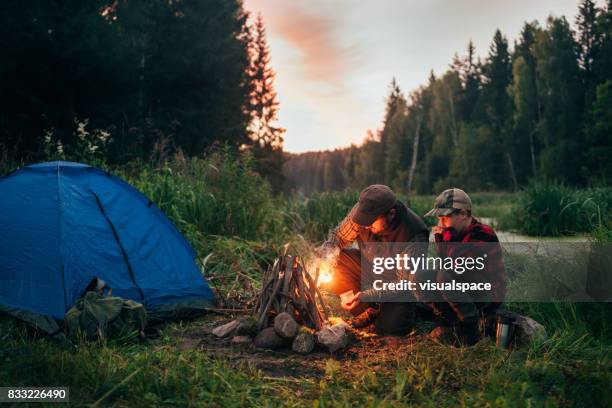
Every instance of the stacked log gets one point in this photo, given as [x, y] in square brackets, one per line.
[289, 312]
[289, 288]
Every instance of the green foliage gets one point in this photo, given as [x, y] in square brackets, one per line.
[217, 195]
[88, 146]
[599, 129]
[553, 209]
[141, 71]
[603, 232]
[134, 375]
[316, 215]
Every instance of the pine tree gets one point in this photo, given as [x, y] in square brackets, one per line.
[599, 129]
[468, 68]
[267, 138]
[392, 130]
[498, 111]
[264, 105]
[589, 42]
[561, 98]
[602, 64]
[525, 117]
[525, 47]
[526, 109]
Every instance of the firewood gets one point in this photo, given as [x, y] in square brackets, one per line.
[262, 317]
[288, 288]
[323, 304]
[286, 282]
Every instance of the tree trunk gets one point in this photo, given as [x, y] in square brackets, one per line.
[512, 173]
[415, 151]
[452, 118]
[532, 149]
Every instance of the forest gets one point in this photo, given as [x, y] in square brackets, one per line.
[118, 81]
[536, 107]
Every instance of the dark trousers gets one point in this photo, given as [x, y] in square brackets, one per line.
[461, 308]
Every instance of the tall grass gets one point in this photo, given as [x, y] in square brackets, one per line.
[218, 195]
[553, 209]
[313, 216]
[316, 215]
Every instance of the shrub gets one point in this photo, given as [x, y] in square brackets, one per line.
[553, 209]
[216, 195]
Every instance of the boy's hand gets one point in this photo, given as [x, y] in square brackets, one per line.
[438, 229]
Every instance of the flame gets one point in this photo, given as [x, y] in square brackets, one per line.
[325, 272]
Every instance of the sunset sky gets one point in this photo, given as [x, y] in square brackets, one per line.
[335, 59]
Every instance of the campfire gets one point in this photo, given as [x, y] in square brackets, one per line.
[289, 288]
[290, 310]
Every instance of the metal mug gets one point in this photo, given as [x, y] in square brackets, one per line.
[504, 331]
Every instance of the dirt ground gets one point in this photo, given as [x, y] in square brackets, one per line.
[365, 347]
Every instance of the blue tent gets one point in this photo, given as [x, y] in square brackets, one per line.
[63, 224]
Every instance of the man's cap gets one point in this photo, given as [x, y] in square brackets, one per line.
[374, 200]
[449, 201]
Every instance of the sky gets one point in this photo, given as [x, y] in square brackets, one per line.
[334, 59]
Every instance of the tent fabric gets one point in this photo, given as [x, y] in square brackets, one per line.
[63, 224]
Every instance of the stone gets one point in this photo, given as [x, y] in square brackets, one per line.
[269, 339]
[303, 343]
[247, 326]
[527, 330]
[226, 329]
[286, 326]
[334, 337]
[241, 340]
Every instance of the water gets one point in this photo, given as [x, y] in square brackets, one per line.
[509, 236]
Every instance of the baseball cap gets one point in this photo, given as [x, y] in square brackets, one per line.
[449, 201]
[374, 200]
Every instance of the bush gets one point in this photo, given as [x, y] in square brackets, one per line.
[316, 215]
[553, 209]
[216, 195]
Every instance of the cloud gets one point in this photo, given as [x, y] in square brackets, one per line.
[315, 63]
[317, 51]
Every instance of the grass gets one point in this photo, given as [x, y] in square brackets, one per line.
[315, 215]
[237, 226]
[130, 375]
[553, 209]
[571, 368]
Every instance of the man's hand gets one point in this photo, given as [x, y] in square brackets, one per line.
[353, 303]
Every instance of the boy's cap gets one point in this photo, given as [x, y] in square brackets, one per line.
[449, 201]
[374, 200]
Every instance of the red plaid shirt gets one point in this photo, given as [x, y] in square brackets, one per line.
[475, 234]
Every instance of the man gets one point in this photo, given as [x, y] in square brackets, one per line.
[459, 234]
[378, 218]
